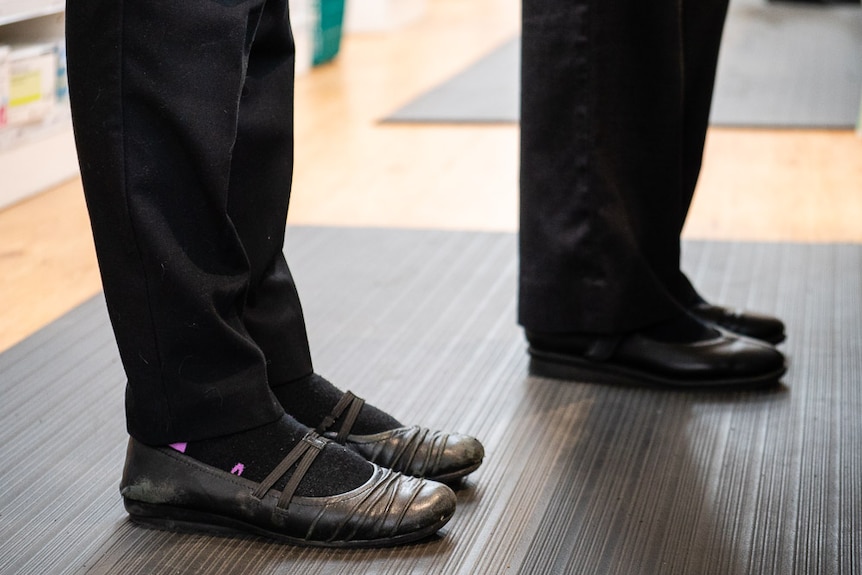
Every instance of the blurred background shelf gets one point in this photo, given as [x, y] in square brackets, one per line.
[40, 154]
[20, 10]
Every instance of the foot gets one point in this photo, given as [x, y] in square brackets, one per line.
[317, 493]
[377, 436]
[682, 352]
[754, 325]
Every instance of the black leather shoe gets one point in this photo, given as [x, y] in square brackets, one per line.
[754, 325]
[723, 360]
[415, 450]
[165, 489]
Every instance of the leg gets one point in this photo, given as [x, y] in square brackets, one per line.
[600, 150]
[258, 202]
[155, 119]
[272, 314]
[609, 120]
[702, 26]
[158, 107]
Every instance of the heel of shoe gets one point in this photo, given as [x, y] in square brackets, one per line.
[179, 520]
[554, 366]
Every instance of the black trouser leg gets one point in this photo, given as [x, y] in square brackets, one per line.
[164, 134]
[263, 160]
[703, 23]
[605, 136]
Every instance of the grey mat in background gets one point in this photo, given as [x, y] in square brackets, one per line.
[486, 92]
[781, 65]
[790, 65]
[579, 478]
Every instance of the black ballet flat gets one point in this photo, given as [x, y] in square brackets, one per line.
[414, 450]
[165, 489]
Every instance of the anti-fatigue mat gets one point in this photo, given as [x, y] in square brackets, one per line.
[579, 478]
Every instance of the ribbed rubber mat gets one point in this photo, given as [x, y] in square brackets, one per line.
[578, 478]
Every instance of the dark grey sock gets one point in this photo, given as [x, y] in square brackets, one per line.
[254, 453]
[311, 398]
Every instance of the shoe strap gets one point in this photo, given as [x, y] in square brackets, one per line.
[304, 453]
[353, 405]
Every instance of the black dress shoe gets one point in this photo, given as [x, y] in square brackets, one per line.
[721, 360]
[757, 326]
[414, 450]
[166, 489]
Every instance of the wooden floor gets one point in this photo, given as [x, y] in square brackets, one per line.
[351, 170]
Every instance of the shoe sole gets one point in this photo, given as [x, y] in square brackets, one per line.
[182, 520]
[554, 366]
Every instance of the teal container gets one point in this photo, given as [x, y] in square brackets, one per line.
[327, 36]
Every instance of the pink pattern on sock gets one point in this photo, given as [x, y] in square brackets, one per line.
[238, 469]
[181, 447]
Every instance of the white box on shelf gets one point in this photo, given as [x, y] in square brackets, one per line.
[21, 10]
[32, 83]
[381, 15]
[38, 155]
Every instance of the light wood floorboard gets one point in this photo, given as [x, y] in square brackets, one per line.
[351, 170]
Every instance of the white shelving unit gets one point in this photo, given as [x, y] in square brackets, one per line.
[39, 157]
[21, 10]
